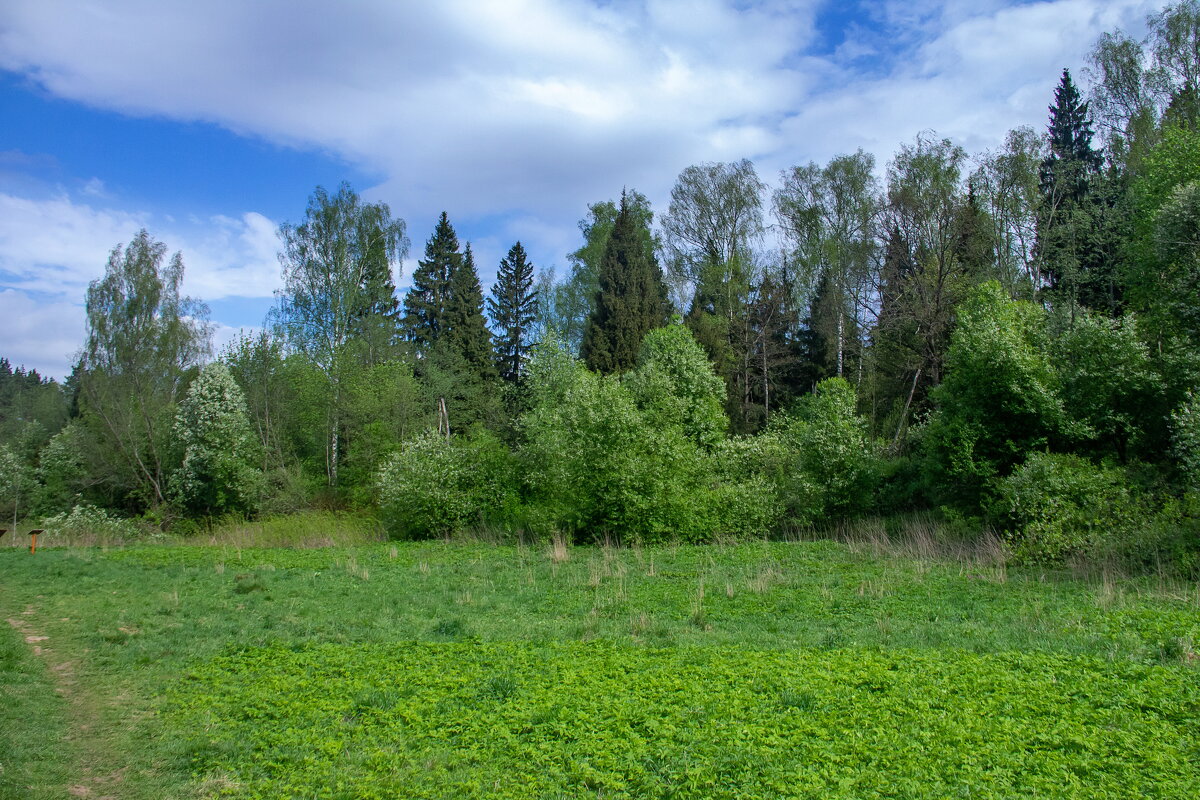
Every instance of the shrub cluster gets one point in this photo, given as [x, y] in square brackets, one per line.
[639, 458]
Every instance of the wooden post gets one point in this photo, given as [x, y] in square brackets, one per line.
[33, 539]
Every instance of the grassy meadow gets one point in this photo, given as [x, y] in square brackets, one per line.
[251, 663]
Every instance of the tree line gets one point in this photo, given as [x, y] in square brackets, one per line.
[1009, 339]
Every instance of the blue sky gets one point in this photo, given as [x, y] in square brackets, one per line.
[210, 123]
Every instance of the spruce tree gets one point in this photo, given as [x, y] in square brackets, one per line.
[1072, 159]
[513, 308]
[631, 302]
[465, 328]
[426, 302]
[1071, 235]
[379, 322]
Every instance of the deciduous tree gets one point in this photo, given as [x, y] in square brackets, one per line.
[333, 266]
[144, 342]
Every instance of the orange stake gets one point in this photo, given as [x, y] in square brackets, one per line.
[33, 539]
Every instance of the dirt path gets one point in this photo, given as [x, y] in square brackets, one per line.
[83, 715]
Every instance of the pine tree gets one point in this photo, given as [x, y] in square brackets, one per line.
[631, 302]
[465, 328]
[425, 304]
[513, 308]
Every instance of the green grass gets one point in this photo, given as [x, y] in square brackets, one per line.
[447, 668]
[545, 720]
[33, 754]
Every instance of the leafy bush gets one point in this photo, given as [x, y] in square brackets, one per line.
[88, 524]
[1185, 441]
[675, 385]
[1108, 381]
[999, 399]
[61, 468]
[595, 465]
[437, 487]
[1054, 506]
[748, 470]
[17, 484]
[832, 463]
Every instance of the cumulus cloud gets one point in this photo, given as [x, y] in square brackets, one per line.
[57, 246]
[39, 334]
[52, 248]
[482, 104]
[520, 113]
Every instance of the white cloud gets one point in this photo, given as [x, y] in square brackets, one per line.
[51, 249]
[40, 335]
[970, 76]
[463, 104]
[521, 111]
[57, 246]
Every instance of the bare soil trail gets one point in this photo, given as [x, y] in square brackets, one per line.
[94, 760]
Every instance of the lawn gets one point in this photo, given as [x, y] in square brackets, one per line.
[807, 669]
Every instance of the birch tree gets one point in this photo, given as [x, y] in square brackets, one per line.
[331, 263]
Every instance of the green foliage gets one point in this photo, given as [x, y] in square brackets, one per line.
[426, 302]
[513, 308]
[1054, 506]
[86, 523]
[466, 331]
[443, 665]
[61, 469]
[17, 485]
[632, 298]
[1109, 385]
[597, 467]
[1163, 250]
[220, 472]
[28, 398]
[337, 307]
[832, 463]
[746, 497]
[385, 406]
[1185, 441]
[998, 402]
[438, 487]
[565, 307]
[337, 274]
[674, 384]
[144, 343]
[518, 720]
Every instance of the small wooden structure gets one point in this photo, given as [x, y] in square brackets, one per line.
[33, 534]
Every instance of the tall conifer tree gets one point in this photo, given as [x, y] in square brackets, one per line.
[1071, 227]
[1072, 160]
[513, 308]
[465, 328]
[631, 302]
[426, 302]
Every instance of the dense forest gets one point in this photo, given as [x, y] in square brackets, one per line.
[1009, 340]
